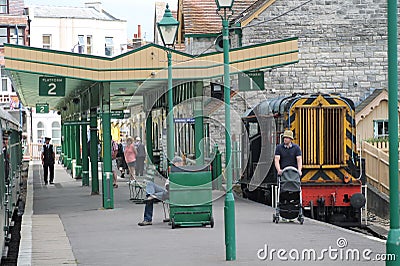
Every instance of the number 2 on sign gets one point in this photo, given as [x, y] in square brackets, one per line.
[52, 90]
[41, 109]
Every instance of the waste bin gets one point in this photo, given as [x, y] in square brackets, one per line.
[190, 196]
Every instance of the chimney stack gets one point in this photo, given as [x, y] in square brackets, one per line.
[139, 30]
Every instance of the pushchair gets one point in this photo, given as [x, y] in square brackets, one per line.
[289, 201]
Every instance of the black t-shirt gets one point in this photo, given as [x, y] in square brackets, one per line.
[288, 155]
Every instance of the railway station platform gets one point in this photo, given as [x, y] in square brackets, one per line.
[64, 225]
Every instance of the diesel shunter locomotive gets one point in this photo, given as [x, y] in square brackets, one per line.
[324, 128]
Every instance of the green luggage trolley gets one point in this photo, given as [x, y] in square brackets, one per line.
[190, 196]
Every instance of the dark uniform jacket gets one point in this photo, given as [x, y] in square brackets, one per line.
[48, 154]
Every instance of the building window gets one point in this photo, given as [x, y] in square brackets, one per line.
[3, 36]
[4, 6]
[81, 44]
[17, 35]
[56, 133]
[109, 46]
[12, 35]
[89, 44]
[381, 128]
[46, 41]
[40, 132]
[4, 85]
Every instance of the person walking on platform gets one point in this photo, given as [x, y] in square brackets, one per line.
[48, 158]
[288, 154]
[114, 167]
[130, 157]
[140, 156]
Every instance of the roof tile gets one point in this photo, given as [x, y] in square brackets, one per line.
[200, 16]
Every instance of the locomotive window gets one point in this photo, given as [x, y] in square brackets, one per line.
[253, 129]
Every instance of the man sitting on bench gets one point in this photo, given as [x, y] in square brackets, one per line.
[156, 192]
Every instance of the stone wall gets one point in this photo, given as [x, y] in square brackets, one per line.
[342, 45]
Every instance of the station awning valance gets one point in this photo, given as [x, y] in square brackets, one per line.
[132, 74]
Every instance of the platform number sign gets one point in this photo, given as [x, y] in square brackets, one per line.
[51, 86]
[42, 108]
[251, 81]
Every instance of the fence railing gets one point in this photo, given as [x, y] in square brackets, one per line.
[383, 145]
[376, 165]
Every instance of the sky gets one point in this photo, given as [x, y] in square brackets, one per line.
[134, 11]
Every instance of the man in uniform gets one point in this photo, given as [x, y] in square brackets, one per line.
[48, 158]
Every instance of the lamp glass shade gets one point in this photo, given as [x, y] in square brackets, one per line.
[224, 3]
[168, 28]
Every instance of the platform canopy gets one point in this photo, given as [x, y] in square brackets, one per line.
[32, 70]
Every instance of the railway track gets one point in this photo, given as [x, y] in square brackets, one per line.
[371, 230]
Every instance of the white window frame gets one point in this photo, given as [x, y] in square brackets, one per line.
[89, 46]
[109, 46]
[379, 128]
[40, 128]
[46, 45]
[56, 128]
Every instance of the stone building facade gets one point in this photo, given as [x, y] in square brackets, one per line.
[342, 45]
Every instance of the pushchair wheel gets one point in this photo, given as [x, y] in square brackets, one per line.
[275, 218]
[301, 220]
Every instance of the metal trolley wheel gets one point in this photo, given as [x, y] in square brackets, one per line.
[173, 225]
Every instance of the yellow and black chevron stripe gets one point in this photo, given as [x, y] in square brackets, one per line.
[324, 127]
[326, 176]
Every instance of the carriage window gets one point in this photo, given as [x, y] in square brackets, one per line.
[253, 129]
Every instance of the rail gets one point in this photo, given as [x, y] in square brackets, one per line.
[376, 166]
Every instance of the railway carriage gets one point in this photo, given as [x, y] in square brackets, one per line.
[10, 175]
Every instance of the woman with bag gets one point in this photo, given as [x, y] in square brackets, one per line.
[130, 157]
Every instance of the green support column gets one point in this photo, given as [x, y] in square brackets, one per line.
[199, 124]
[73, 147]
[230, 232]
[78, 166]
[108, 193]
[85, 160]
[149, 139]
[64, 159]
[69, 150]
[93, 151]
[170, 114]
[393, 241]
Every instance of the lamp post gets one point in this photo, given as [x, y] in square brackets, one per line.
[393, 241]
[168, 28]
[229, 210]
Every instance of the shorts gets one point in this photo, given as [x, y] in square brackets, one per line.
[114, 166]
[131, 164]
